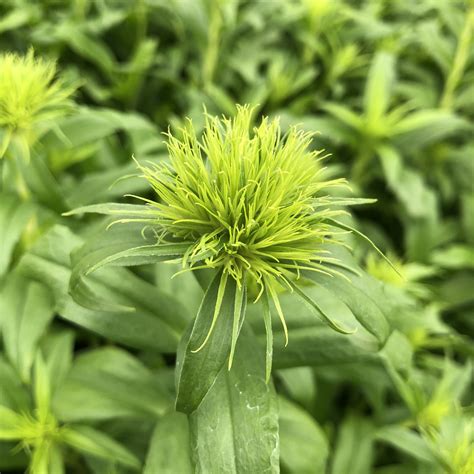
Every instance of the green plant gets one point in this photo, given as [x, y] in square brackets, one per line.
[39, 432]
[118, 326]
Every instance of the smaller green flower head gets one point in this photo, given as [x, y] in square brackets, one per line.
[30, 95]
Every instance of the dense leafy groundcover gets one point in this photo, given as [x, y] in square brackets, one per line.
[290, 343]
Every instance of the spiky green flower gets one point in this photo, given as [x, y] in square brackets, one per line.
[30, 95]
[245, 198]
[252, 200]
[250, 203]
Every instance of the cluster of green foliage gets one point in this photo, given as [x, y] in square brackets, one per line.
[236, 318]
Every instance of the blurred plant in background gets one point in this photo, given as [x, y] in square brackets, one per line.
[29, 96]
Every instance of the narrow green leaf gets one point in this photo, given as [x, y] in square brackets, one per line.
[17, 17]
[122, 246]
[42, 183]
[345, 115]
[90, 48]
[267, 319]
[96, 443]
[157, 321]
[327, 319]
[407, 184]
[58, 350]
[360, 296]
[217, 309]
[407, 441]
[300, 384]
[102, 186]
[56, 463]
[27, 309]
[276, 302]
[424, 127]
[341, 201]
[454, 257]
[169, 450]
[303, 445]
[322, 346]
[197, 371]
[378, 88]
[238, 319]
[238, 417]
[13, 393]
[404, 389]
[40, 460]
[399, 351]
[354, 447]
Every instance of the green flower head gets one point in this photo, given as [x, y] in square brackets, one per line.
[246, 198]
[249, 202]
[30, 95]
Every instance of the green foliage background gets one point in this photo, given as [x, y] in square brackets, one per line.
[389, 84]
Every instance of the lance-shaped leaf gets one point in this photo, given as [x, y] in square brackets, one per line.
[407, 441]
[354, 446]
[358, 299]
[169, 451]
[199, 366]
[345, 115]
[312, 342]
[42, 389]
[158, 318]
[360, 293]
[326, 318]
[26, 308]
[407, 184]
[304, 448]
[238, 417]
[92, 442]
[10, 424]
[378, 87]
[119, 246]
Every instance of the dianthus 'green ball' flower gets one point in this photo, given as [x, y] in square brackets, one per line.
[252, 200]
[30, 94]
[249, 202]
[246, 198]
